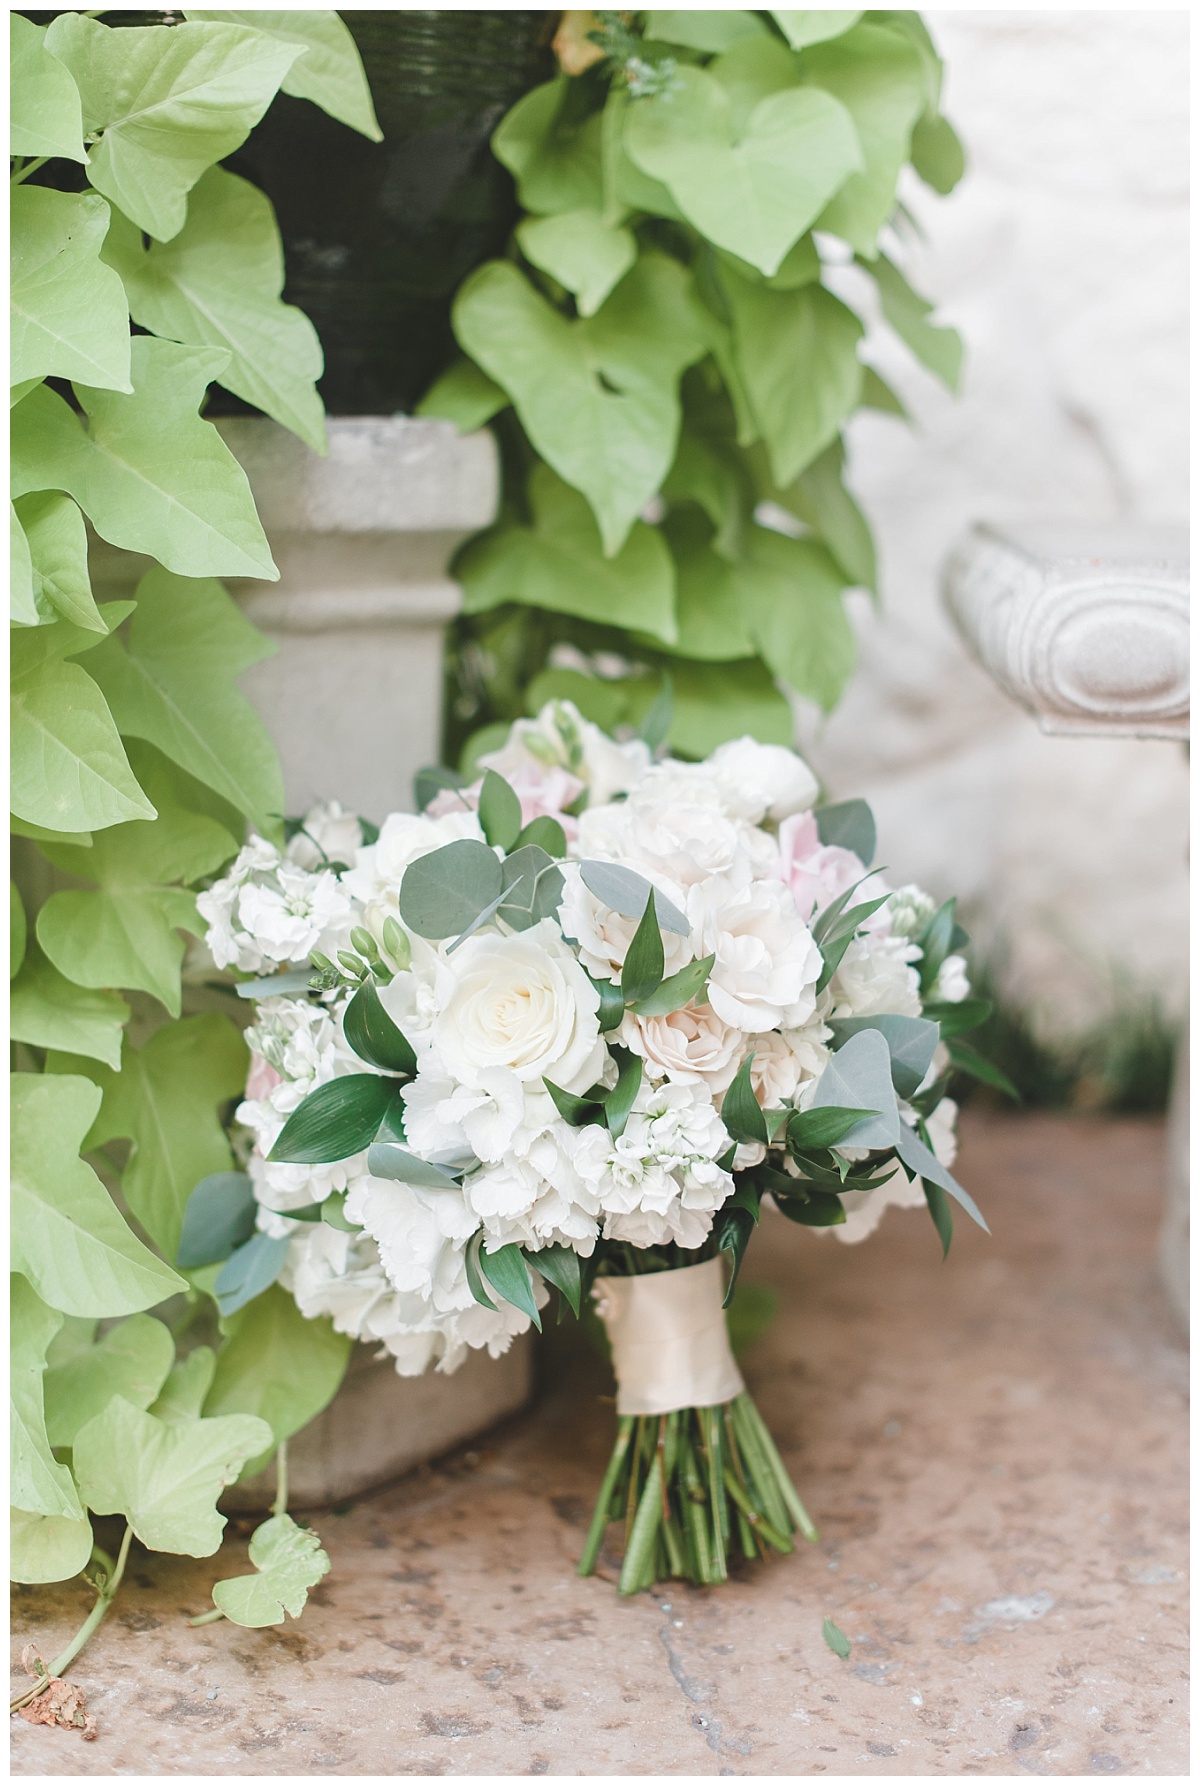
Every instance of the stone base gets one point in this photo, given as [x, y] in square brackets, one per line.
[379, 1425]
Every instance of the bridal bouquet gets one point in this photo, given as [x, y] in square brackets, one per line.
[574, 1026]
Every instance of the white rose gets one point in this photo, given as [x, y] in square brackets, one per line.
[762, 780]
[766, 965]
[691, 1044]
[874, 977]
[604, 936]
[521, 1002]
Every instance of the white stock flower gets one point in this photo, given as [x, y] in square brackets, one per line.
[327, 834]
[267, 910]
[874, 977]
[521, 1002]
[766, 965]
[762, 781]
[909, 909]
[952, 983]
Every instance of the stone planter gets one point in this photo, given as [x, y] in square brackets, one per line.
[353, 697]
[353, 700]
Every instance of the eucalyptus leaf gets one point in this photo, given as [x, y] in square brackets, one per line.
[544, 832]
[69, 315]
[859, 1077]
[533, 887]
[249, 1271]
[386, 1160]
[68, 1237]
[219, 1217]
[288, 1560]
[164, 1479]
[924, 1164]
[911, 1042]
[443, 892]
[626, 892]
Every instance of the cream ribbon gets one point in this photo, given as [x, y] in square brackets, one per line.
[669, 1341]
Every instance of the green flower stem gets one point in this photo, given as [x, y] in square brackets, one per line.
[279, 1506]
[689, 1483]
[596, 1530]
[106, 1591]
[786, 1487]
[30, 167]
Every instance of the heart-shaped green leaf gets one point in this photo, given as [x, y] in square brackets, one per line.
[288, 1560]
[755, 194]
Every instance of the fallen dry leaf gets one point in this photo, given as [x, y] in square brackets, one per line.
[60, 1703]
[571, 45]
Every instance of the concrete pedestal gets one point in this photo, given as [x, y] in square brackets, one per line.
[353, 696]
[1088, 628]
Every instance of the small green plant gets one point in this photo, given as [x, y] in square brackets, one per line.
[669, 372]
[136, 765]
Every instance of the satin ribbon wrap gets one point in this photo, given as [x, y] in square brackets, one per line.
[669, 1340]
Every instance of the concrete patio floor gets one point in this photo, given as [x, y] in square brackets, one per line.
[994, 1451]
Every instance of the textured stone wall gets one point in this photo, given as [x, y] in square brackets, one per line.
[1062, 258]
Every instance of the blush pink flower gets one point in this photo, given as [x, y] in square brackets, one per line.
[816, 872]
[262, 1079]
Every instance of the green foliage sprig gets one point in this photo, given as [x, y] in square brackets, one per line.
[661, 356]
[136, 765]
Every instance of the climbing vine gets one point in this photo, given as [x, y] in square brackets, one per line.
[136, 767]
[669, 374]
